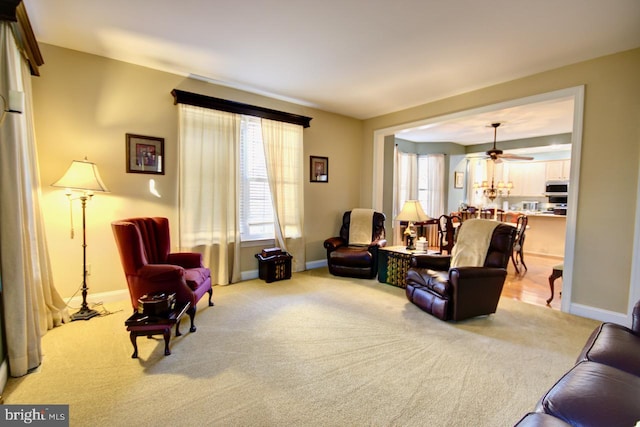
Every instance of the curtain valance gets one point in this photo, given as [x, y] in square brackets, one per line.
[15, 12]
[204, 101]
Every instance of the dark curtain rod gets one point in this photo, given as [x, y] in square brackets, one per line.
[197, 100]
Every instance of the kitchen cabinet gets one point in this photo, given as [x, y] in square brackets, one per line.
[527, 177]
[557, 169]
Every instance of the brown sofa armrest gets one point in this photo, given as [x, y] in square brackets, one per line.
[333, 243]
[380, 243]
[458, 274]
[476, 290]
[432, 262]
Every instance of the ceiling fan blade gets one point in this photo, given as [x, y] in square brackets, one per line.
[515, 157]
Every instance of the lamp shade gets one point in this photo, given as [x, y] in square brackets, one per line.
[82, 175]
[412, 211]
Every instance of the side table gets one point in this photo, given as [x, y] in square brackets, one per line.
[140, 324]
[394, 262]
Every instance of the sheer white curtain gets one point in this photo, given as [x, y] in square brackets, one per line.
[431, 184]
[31, 303]
[283, 150]
[477, 174]
[209, 149]
[405, 186]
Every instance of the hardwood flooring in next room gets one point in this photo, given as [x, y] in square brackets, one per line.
[533, 286]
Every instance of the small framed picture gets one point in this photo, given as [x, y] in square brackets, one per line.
[145, 154]
[319, 169]
[458, 181]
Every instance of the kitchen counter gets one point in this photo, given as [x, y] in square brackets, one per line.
[545, 234]
[539, 213]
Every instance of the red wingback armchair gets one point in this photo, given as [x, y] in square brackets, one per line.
[144, 246]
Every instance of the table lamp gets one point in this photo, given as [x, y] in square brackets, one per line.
[411, 212]
[84, 178]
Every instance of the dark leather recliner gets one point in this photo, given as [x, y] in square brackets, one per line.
[355, 261]
[461, 292]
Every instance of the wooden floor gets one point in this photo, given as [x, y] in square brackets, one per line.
[532, 286]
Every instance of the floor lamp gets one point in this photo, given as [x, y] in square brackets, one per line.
[82, 176]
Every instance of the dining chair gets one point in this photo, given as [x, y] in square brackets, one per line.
[518, 247]
[447, 226]
[492, 213]
[469, 213]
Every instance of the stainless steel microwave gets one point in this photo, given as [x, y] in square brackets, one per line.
[557, 191]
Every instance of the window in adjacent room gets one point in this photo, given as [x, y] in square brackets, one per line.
[431, 184]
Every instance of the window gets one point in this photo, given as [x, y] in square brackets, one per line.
[224, 195]
[225, 192]
[431, 184]
[256, 207]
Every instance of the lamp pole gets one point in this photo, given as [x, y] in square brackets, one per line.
[85, 312]
[82, 176]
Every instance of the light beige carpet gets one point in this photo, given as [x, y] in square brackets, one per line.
[312, 351]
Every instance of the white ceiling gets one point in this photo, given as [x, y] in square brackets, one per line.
[550, 117]
[357, 58]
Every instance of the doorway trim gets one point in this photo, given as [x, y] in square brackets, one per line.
[577, 92]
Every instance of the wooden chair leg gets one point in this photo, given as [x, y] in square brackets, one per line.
[192, 315]
[210, 295]
[515, 264]
[555, 274]
[521, 253]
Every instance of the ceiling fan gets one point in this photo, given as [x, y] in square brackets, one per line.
[497, 155]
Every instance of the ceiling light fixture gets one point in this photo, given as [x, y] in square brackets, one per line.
[492, 191]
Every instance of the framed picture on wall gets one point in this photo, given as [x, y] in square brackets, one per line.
[319, 169]
[458, 181]
[145, 154]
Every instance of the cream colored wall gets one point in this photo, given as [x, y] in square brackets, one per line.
[609, 165]
[84, 105]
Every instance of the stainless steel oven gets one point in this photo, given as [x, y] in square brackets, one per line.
[557, 191]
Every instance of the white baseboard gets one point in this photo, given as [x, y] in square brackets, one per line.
[600, 314]
[123, 294]
[316, 264]
[254, 274]
[102, 297]
[248, 275]
[544, 255]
